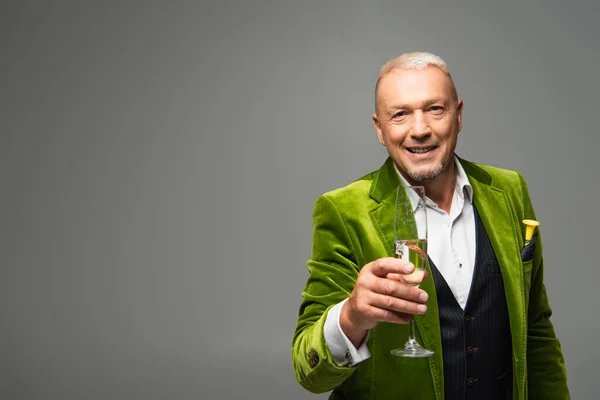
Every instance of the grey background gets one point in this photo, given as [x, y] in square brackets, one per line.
[159, 163]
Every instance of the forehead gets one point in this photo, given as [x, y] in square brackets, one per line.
[414, 86]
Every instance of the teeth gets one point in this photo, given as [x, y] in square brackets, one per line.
[425, 150]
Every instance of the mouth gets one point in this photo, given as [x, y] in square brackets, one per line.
[420, 150]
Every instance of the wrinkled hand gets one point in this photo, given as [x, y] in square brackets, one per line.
[381, 294]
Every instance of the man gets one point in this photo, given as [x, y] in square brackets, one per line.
[483, 309]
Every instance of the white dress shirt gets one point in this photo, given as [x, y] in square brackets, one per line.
[451, 247]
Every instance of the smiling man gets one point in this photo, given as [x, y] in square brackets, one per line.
[483, 310]
[418, 119]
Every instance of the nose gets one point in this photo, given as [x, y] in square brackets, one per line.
[420, 127]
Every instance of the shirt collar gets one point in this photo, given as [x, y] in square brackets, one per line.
[463, 187]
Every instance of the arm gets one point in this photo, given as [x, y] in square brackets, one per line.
[333, 273]
[376, 292]
[343, 350]
[547, 377]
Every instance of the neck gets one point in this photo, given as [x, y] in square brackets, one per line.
[441, 189]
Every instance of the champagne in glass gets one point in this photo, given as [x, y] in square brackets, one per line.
[410, 244]
[415, 252]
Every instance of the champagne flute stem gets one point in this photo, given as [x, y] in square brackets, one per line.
[411, 335]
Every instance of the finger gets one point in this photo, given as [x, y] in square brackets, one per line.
[396, 277]
[397, 305]
[398, 318]
[415, 278]
[383, 315]
[403, 278]
[397, 288]
[383, 266]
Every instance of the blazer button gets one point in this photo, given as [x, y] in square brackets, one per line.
[313, 358]
[314, 361]
[472, 350]
[472, 381]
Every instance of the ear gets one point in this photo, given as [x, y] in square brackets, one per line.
[459, 110]
[378, 128]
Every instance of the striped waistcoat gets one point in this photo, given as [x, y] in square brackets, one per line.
[476, 342]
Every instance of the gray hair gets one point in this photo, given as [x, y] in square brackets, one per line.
[414, 60]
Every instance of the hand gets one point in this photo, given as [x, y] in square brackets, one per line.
[381, 295]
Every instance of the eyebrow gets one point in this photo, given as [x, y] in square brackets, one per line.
[423, 104]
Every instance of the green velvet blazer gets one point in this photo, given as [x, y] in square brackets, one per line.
[354, 226]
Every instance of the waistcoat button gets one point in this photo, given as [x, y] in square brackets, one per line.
[472, 381]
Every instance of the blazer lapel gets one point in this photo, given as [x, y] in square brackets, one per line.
[501, 225]
[383, 191]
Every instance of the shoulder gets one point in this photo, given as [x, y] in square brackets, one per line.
[508, 181]
[501, 178]
[359, 187]
[372, 187]
[349, 198]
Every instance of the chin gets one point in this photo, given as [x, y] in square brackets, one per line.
[424, 176]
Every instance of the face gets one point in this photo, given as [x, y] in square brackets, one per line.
[418, 120]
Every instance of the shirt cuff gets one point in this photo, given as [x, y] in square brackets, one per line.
[341, 348]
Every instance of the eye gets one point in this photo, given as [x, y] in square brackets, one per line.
[437, 110]
[400, 114]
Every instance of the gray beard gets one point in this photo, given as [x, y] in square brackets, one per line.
[427, 176]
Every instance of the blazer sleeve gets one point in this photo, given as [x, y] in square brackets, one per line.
[332, 276]
[546, 372]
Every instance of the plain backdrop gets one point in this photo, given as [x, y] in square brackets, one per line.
[159, 162]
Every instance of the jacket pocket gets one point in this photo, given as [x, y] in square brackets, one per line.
[529, 249]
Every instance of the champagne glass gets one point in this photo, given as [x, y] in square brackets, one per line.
[410, 244]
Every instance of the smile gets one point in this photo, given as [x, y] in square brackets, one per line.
[420, 150]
